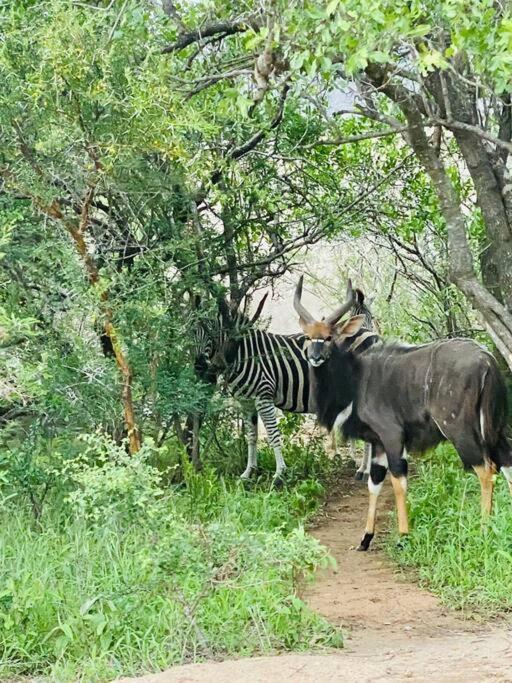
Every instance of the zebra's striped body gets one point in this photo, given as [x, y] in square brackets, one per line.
[264, 371]
[273, 366]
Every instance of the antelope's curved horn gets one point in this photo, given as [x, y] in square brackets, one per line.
[307, 317]
[340, 312]
[259, 309]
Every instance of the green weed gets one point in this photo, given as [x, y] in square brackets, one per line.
[466, 567]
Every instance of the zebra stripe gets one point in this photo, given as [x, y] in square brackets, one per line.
[265, 371]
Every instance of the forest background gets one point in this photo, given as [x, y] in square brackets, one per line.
[158, 156]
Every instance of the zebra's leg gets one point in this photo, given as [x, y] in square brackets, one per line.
[267, 412]
[368, 459]
[251, 432]
[363, 471]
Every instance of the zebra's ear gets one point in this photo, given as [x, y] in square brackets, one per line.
[359, 296]
[256, 316]
[224, 308]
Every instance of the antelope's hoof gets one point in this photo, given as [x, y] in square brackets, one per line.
[358, 476]
[365, 542]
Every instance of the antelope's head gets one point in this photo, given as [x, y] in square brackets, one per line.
[321, 335]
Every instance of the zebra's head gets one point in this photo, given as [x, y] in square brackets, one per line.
[321, 335]
[209, 340]
[216, 338]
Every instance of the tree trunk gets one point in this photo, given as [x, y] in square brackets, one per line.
[190, 437]
[77, 235]
[497, 318]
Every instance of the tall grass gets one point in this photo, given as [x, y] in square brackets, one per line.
[212, 575]
[466, 567]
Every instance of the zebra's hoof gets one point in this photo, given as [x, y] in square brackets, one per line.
[249, 474]
[361, 476]
[402, 542]
[278, 482]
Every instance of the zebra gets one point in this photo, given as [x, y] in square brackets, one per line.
[359, 307]
[262, 370]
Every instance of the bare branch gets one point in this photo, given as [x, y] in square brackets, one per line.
[251, 143]
[476, 130]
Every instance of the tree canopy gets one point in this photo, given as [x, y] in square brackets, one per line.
[157, 155]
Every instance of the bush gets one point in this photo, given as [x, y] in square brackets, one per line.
[109, 482]
[106, 586]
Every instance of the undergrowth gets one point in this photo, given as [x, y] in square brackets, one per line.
[125, 573]
[467, 568]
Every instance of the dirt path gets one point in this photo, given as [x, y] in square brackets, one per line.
[394, 631]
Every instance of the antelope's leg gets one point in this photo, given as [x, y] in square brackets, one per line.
[400, 490]
[251, 431]
[487, 475]
[267, 411]
[378, 469]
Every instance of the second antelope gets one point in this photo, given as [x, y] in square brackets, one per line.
[403, 398]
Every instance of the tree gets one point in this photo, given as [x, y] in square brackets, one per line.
[165, 191]
[435, 73]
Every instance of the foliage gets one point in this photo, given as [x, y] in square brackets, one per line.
[108, 482]
[467, 568]
[152, 163]
[128, 580]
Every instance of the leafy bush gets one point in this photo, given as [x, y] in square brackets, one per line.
[111, 483]
[109, 583]
[466, 567]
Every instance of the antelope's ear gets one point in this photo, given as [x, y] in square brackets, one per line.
[350, 327]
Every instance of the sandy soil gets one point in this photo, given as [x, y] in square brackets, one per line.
[394, 630]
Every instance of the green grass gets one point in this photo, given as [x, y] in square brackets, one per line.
[468, 569]
[212, 575]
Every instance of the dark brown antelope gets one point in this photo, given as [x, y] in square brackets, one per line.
[403, 398]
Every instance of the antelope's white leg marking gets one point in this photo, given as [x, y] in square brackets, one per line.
[482, 424]
[374, 488]
[507, 472]
[381, 459]
[342, 417]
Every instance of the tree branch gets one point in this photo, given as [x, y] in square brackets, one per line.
[251, 143]
[228, 28]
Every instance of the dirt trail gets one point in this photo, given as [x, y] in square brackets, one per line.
[394, 631]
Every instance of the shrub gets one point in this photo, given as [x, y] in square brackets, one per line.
[109, 482]
[127, 576]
